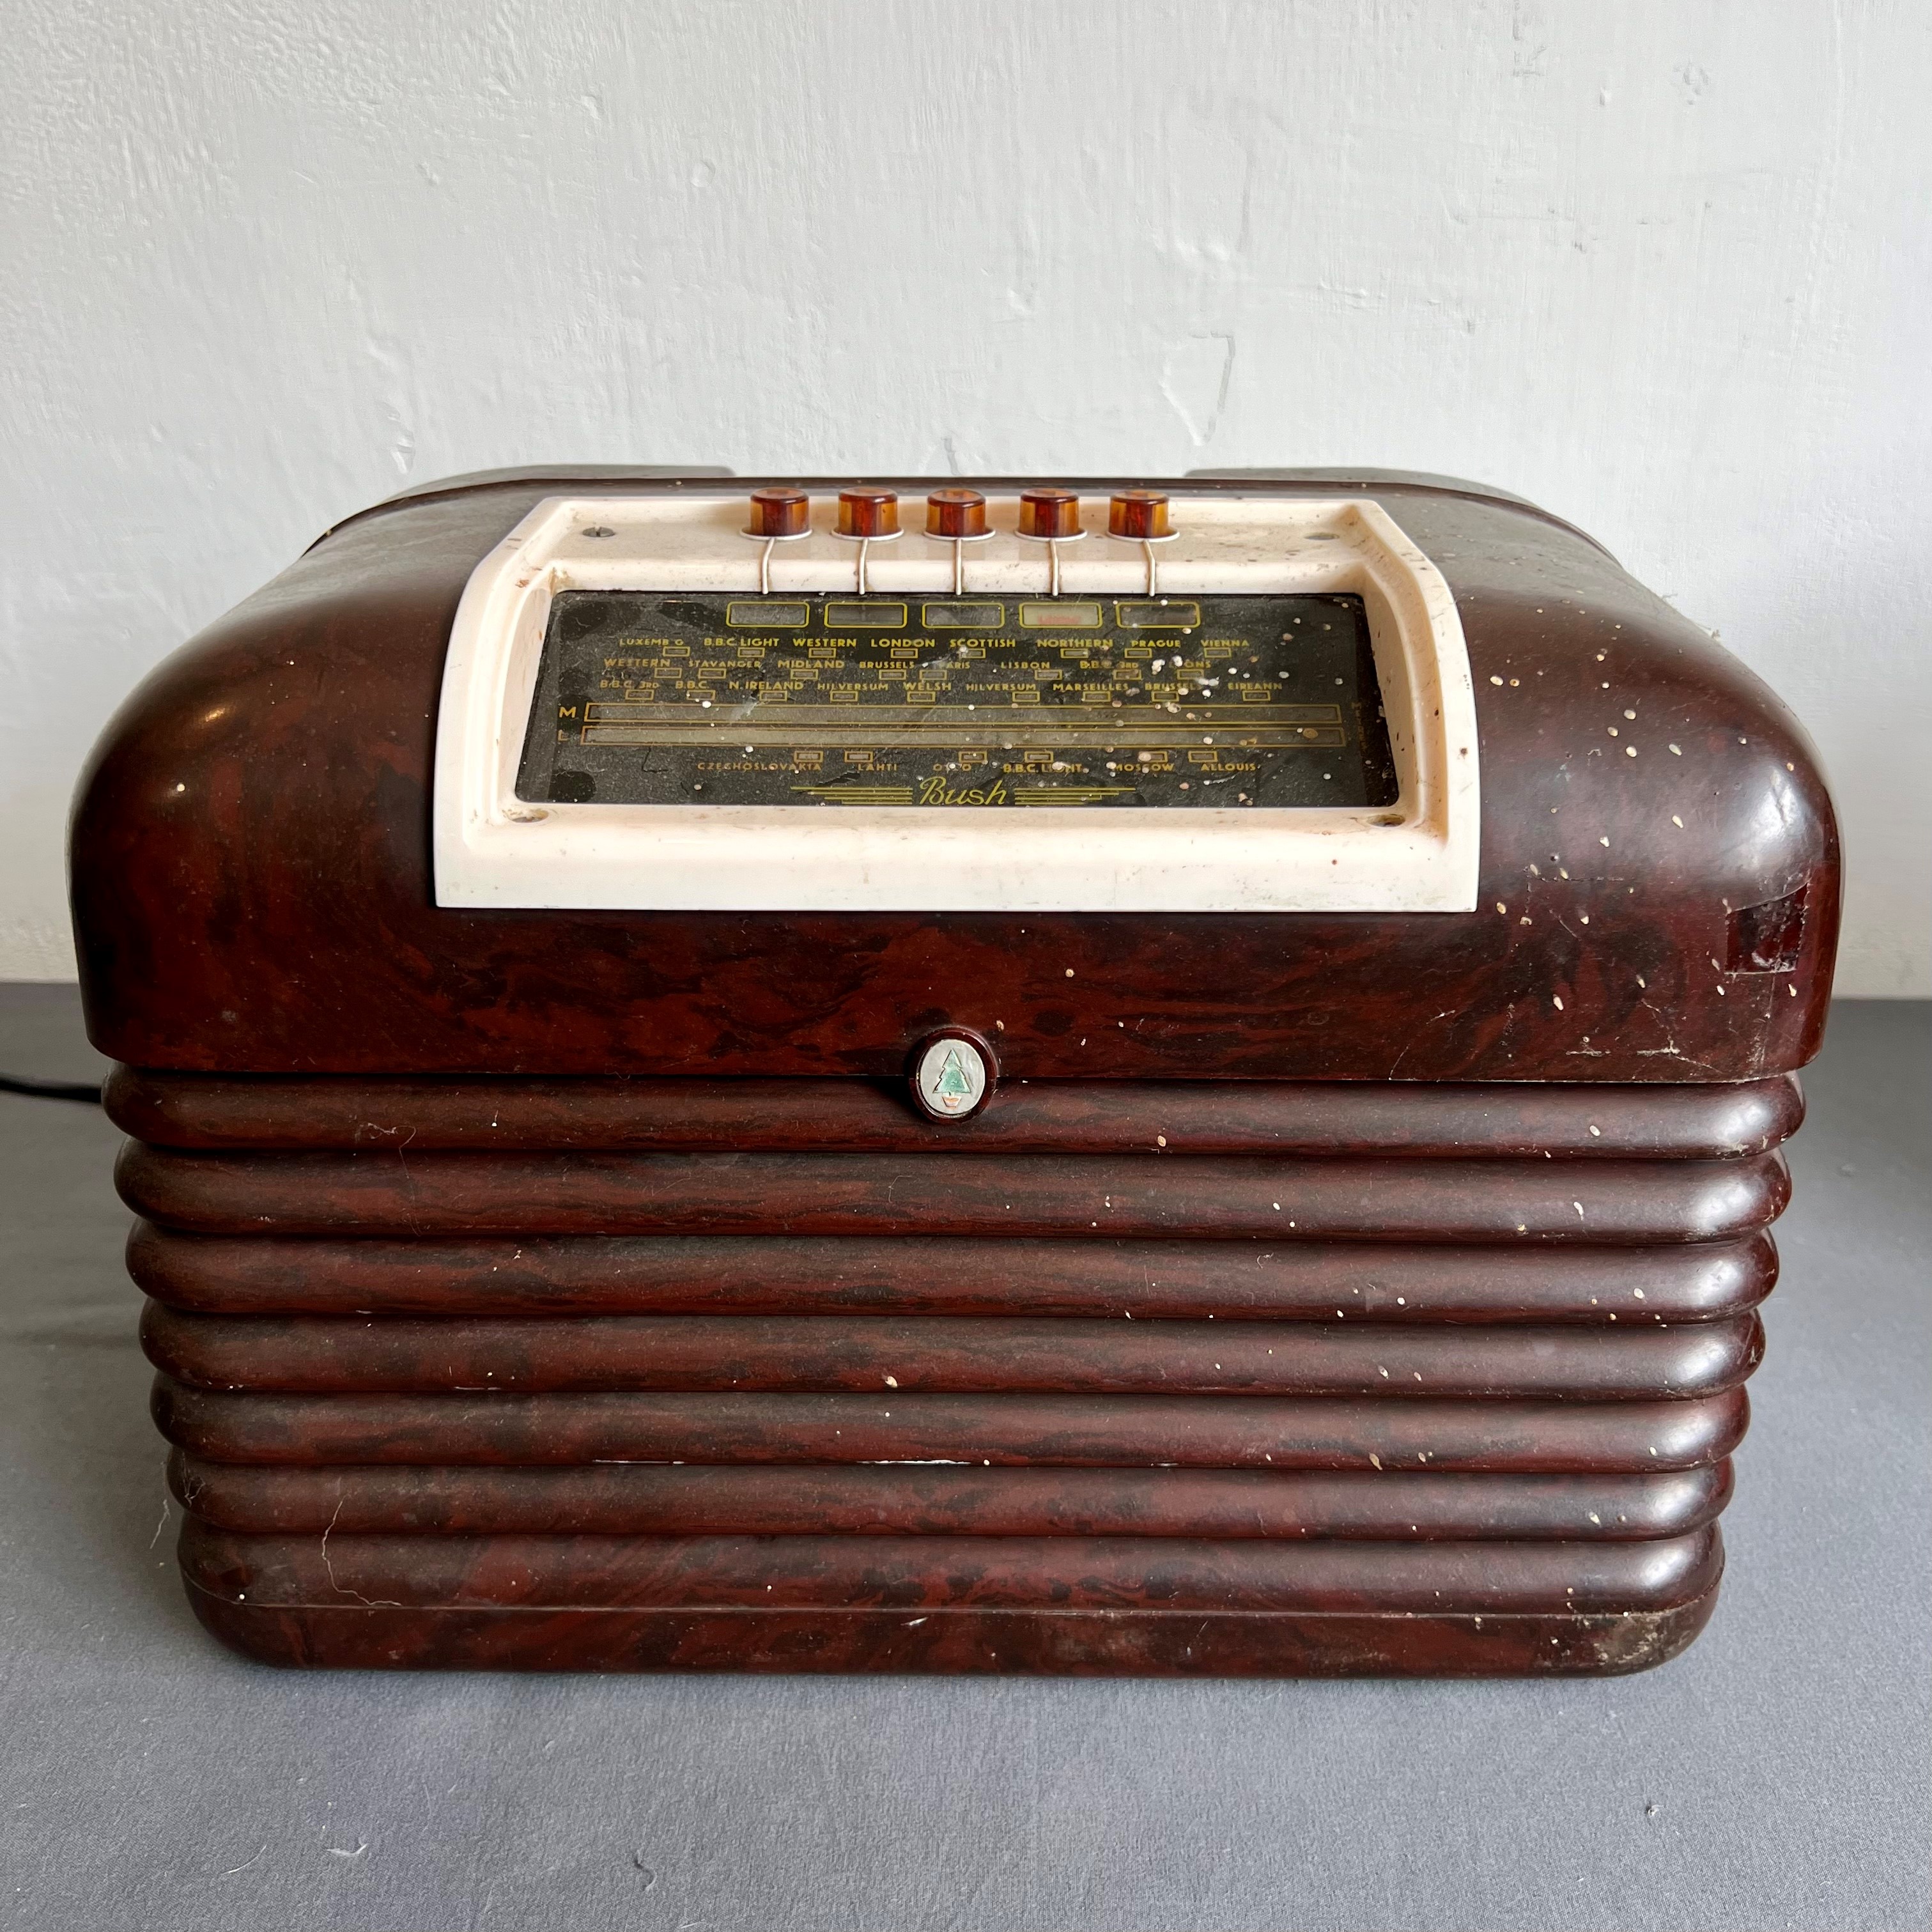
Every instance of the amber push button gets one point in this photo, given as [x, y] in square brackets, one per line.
[1049, 516]
[1140, 515]
[960, 514]
[869, 515]
[777, 514]
[958, 517]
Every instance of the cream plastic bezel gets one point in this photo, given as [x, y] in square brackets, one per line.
[1419, 855]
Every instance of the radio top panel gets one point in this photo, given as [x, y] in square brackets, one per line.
[467, 789]
[700, 702]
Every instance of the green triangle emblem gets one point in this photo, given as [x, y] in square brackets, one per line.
[952, 1084]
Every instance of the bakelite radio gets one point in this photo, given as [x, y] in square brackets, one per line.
[1181, 1079]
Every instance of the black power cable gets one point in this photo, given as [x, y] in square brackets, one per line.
[50, 1089]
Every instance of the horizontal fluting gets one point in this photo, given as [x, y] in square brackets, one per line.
[214, 1111]
[522, 1355]
[863, 1353]
[1118, 1431]
[1074, 1196]
[639, 1499]
[948, 1572]
[776, 1274]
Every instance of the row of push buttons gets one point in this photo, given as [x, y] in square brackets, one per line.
[959, 516]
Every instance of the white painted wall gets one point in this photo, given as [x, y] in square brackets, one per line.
[1663, 265]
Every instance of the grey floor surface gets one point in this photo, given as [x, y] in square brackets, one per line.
[1776, 1776]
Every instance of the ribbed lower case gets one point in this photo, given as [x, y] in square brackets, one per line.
[1250, 1379]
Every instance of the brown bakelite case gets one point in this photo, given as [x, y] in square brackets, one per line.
[1314, 1293]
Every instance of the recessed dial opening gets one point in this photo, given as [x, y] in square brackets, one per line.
[1169, 703]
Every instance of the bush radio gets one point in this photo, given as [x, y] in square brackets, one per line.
[1177, 1079]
